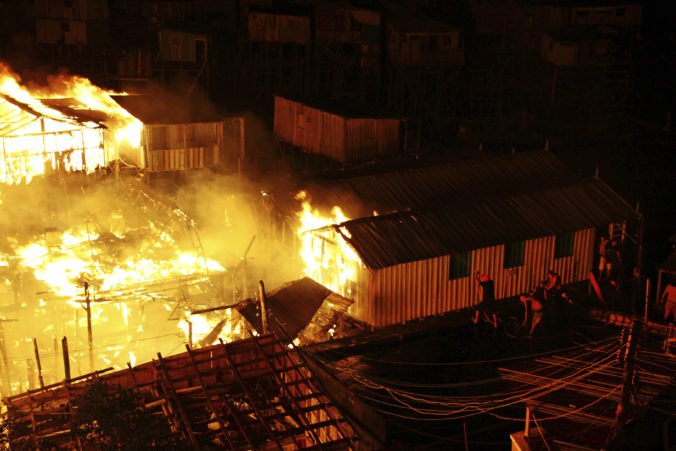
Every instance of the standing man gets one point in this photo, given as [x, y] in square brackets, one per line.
[487, 305]
[668, 298]
[613, 258]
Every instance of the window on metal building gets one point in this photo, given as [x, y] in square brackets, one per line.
[563, 245]
[514, 254]
[460, 265]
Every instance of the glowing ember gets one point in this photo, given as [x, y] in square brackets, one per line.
[327, 257]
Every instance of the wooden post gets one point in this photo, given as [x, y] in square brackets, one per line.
[627, 376]
[90, 336]
[464, 429]
[30, 374]
[66, 359]
[37, 361]
[56, 360]
[647, 301]
[526, 430]
[264, 314]
[190, 333]
[6, 387]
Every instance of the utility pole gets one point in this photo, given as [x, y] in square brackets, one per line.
[627, 356]
[90, 335]
[264, 313]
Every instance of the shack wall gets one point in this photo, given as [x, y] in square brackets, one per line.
[171, 147]
[422, 288]
[334, 136]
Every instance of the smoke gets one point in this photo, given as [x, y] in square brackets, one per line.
[235, 230]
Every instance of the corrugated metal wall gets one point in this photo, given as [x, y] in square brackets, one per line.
[331, 135]
[413, 290]
[173, 147]
[369, 138]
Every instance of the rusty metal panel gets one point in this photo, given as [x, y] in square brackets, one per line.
[332, 138]
[332, 135]
[371, 138]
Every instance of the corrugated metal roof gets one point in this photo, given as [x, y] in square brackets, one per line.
[478, 176]
[291, 307]
[163, 109]
[388, 240]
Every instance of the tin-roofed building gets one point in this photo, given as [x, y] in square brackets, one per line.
[182, 136]
[513, 217]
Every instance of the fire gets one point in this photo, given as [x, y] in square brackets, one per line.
[77, 261]
[139, 282]
[38, 139]
[125, 127]
[327, 257]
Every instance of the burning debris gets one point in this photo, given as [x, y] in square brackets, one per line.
[118, 265]
[302, 312]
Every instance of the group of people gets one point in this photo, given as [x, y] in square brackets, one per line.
[548, 296]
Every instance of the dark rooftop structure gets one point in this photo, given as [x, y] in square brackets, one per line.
[437, 184]
[474, 222]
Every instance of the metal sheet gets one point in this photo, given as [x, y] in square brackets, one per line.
[410, 291]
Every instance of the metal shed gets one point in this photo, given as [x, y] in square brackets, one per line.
[419, 260]
[340, 135]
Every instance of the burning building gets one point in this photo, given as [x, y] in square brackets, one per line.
[40, 140]
[105, 261]
[418, 236]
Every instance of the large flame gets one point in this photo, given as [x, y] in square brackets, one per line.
[140, 283]
[125, 127]
[326, 255]
[37, 138]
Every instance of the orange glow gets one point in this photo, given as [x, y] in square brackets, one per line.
[124, 293]
[37, 139]
[326, 256]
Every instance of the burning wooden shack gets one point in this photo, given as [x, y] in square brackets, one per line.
[161, 135]
[418, 236]
[336, 133]
[38, 140]
[177, 136]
